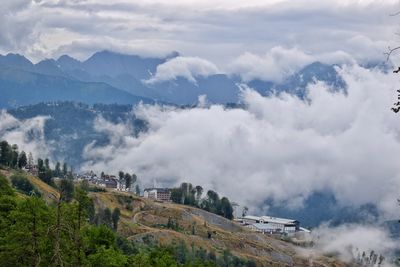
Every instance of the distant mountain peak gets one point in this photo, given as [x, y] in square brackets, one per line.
[16, 60]
[67, 58]
[66, 62]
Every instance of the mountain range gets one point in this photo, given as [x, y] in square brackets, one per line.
[108, 77]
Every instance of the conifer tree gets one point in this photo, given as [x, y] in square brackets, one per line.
[22, 161]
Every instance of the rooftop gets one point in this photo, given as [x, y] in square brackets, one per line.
[270, 219]
[277, 220]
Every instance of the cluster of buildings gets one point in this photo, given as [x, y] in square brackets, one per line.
[262, 224]
[105, 181]
[271, 225]
[112, 182]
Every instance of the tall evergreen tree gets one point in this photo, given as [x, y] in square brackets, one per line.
[226, 208]
[5, 153]
[137, 190]
[47, 164]
[57, 169]
[199, 192]
[134, 178]
[128, 181]
[65, 169]
[22, 161]
[67, 189]
[14, 156]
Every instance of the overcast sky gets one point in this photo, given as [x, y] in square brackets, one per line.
[219, 31]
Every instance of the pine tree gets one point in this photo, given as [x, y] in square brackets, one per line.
[57, 169]
[5, 153]
[137, 190]
[14, 156]
[22, 161]
[65, 169]
[128, 181]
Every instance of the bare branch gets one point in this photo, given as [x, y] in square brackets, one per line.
[390, 51]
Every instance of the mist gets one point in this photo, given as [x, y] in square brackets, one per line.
[277, 147]
[27, 134]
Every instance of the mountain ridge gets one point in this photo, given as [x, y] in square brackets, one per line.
[128, 73]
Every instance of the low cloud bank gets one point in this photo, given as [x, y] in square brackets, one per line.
[350, 241]
[279, 63]
[278, 147]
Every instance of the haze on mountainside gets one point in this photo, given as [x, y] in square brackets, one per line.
[283, 107]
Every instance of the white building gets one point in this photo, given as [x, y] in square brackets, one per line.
[268, 224]
[163, 194]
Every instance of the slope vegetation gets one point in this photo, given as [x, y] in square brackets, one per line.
[151, 222]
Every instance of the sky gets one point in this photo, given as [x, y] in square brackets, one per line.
[224, 32]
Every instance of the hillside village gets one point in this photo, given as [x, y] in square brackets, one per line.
[261, 224]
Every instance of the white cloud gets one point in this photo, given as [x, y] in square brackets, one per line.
[350, 241]
[275, 65]
[186, 67]
[278, 147]
[279, 63]
[27, 134]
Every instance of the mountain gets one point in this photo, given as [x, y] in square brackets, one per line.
[297, 83]
[219, 89]
[113, 64]
[122, 71]
[19, 87]
[109, 77]
[16, 61]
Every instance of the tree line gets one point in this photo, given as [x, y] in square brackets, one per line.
[12, 158]
[188, 195]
